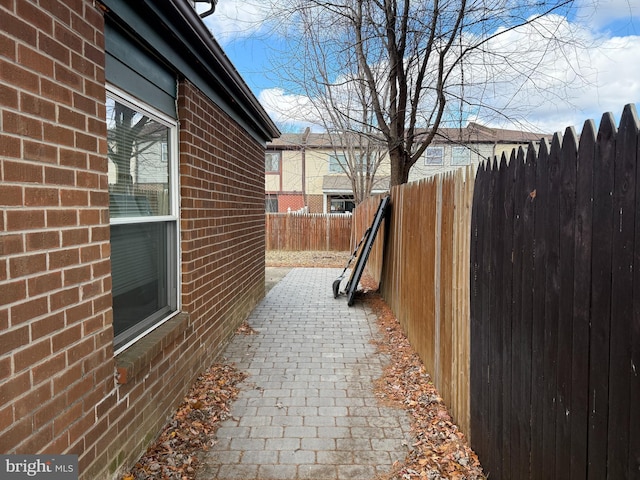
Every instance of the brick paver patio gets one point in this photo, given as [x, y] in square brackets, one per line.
[307, 410]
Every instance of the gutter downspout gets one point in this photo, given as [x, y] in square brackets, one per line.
[211, 10]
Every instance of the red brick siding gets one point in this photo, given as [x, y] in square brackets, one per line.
[57, 388]
[56, 354]
[290, 201]
[222, 219]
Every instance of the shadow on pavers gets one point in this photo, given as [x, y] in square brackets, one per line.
[273, 275]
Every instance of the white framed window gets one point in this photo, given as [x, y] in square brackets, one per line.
[142, 151]
[337, 163]
[434, 156]
[272, 162]
[460, 156]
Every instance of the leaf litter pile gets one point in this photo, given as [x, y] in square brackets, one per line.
[191, 431]
[440, 451]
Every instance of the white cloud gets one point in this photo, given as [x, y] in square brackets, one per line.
[607, 78]
[293, 112]
[236, 19]
[600, 13]
[580, 78]
[566, 86]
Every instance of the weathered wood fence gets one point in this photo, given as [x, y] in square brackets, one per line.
[527, 314]
[425, 275]
[555, 308]
[308, 231]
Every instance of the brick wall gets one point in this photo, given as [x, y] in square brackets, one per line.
[315, 203]
[56, 338]
[293, 201]
[58, 392]
[222, 218]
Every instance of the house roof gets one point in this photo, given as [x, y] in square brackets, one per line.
[307, 139]
[472, 133]
[174, 32]
[476, 133]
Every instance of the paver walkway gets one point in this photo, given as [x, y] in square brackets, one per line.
[307, 410]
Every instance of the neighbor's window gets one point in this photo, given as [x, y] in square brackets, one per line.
[271, 204]
[272, 162]
[142, 153]
[337, 163]
[460, 156]
[434, 156]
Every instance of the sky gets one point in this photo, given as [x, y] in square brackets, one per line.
[573, 88]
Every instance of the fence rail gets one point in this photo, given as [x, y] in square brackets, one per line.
[555, 314]
[308, 231]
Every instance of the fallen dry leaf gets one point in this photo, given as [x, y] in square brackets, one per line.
[246, 329]
[440, 451]
[174, 455]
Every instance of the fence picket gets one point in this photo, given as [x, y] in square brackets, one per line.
[622, 293]
[541, 201]
[601, 299]
[476, 367]
[566, 217]
[581, 304]
[516, 354]
[634, 386]
[525, 343]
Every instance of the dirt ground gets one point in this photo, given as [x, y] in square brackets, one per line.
[279, 262]
[282, 258]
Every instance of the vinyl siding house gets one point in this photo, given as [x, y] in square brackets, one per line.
[453, 148]
[303, 171]
[132, 221]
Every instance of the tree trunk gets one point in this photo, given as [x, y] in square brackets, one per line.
[400, 166]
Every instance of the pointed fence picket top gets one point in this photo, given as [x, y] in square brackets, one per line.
[555, 307]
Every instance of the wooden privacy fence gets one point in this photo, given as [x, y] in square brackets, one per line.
[425, 275]
[555, 308]
[308, 231]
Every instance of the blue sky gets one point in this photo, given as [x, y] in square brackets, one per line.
[602, 79]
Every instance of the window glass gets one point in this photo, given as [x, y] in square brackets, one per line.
[337, 163]
[342, 204]
[143, 219]
[434, 156]
[271, 204]
[141, 275]
[138, 168]
[460, 156]
[272, 162]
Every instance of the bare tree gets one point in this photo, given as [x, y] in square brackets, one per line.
[130, 134]
[395, 70]
[340, 103]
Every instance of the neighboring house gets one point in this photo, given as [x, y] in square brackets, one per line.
[132, 222]
[453, 148]
[304, 171]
